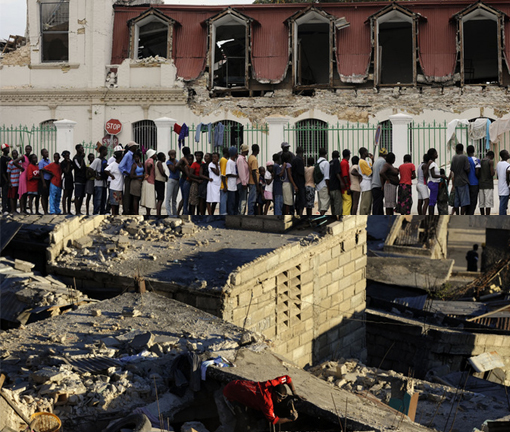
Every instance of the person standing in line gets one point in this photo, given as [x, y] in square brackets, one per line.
[172, 188]
[288, 184]
[346, 183]
[472, 259]
[44, 182]
[13, 173]
[224, 186]
[298, 175]
[442, 196]
[460, 168]
[377, 187]
[421, 186]
[474, 174]
[214, 184]
[89, 188]
[277, 185]
[355, 178]
[434, 178]
[185, 182]
[486, 184]
[322, 181]
[503, 170]
[4, 178]
[98, 166]
[55, 184]
[202, 187]
[116, 183]
[22, 163]
[67, 182]
[80, 177]
[148, 198]
[335, 185]
[389, 180]
[253, 181]
[365, 166]
[125, 168]
[268, 186]
[407, 173]
[33, 176]
[135, 186]
[309, 186]
[243, 172]
[232, 176]
[160, 179]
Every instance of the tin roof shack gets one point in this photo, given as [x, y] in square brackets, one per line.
[305, 292]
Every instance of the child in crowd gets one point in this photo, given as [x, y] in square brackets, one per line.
[67, 183]
[116, 183]
[89, 187]
[214, 183]
[13, 171]
[309, 186]
[261, 202]
[55, 171]
[268, 190]
[33, 183]
[161, 179]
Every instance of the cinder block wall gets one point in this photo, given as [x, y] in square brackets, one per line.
[396, 343]
[310, 299]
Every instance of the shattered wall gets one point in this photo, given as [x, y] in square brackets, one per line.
[309, 300]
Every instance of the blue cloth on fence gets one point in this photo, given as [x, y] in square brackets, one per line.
[488, 136]
[183, 134]
[203, 127]
[219, 131]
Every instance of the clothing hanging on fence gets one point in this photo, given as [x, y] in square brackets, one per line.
[177, 128]
[478, 129]
[203, 127]
[219, 131]
[450, 130]
[183, 134]
[499, 128]
[488, 135]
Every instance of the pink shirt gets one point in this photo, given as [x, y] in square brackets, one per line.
[152, 176]
[243, 170]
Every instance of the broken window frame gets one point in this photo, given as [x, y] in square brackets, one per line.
[500, 22]
[44, 32]
[151, 15]
[228, 15]
[374, 20]
[302, 18]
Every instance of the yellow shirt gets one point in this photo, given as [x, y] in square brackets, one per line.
[253, 166]
[223, 168]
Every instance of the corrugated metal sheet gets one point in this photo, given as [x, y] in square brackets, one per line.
[270, 44]
[91, 364]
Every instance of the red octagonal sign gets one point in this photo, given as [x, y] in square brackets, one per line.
[113, 127]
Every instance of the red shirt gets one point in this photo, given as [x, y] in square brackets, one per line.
[32, 178]
[256, 395]
[406, 171]
[344, 168]
[56, 178]
[195, 168]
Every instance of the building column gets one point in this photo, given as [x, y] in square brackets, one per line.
[400, 136]
[65, 135]
[276, 134]
[165, 128]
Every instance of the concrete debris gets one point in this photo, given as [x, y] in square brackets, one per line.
[23, 266]
[84, 242]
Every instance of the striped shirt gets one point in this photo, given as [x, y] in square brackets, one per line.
[14, 173]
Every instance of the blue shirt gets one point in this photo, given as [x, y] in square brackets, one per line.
[126, 163]
[43, 163]
[474, 163]
[172, 175]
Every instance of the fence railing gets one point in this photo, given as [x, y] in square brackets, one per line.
[233, 135]
[38, 137]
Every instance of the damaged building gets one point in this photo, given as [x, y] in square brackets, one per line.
[321, 75]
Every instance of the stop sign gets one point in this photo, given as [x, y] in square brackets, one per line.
[113, 127]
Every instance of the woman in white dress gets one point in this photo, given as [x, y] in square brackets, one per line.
[148, 199]
[214, 185]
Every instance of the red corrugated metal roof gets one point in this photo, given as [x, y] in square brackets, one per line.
[270, 53]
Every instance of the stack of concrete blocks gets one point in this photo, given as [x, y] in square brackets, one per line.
[397, 342]
[310, 300]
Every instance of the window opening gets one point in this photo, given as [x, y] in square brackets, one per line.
[230, 56]
[145, 133]
[395, 45]
[55, 31]
[153, 39]
[312, 134]
[313, 53]
[480, 51]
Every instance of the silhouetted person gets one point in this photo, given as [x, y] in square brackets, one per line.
[472, 259]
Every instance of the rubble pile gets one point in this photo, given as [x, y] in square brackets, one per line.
[27, 296]
[435, 399]
[114, 356]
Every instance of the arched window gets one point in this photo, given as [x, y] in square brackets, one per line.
[145, 133]
[233, 134]
[386, 138]
[311, 134]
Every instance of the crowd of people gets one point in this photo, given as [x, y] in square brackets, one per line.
[235, 183]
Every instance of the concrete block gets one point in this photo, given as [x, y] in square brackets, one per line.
[325, 280]
[325, 256]
[332, 264]
[83, 242]
[348, 268]
[272, 261]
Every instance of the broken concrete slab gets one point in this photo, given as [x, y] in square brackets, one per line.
[142, 341]
[47, 374]
[23, 266]
[83, 242]
[410, 272]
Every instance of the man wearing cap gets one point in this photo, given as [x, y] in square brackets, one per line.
[125, 168]
[243, 179]
[80, 177]
[286, 149]
[4, 177]
[377, 187]
[260, 396]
